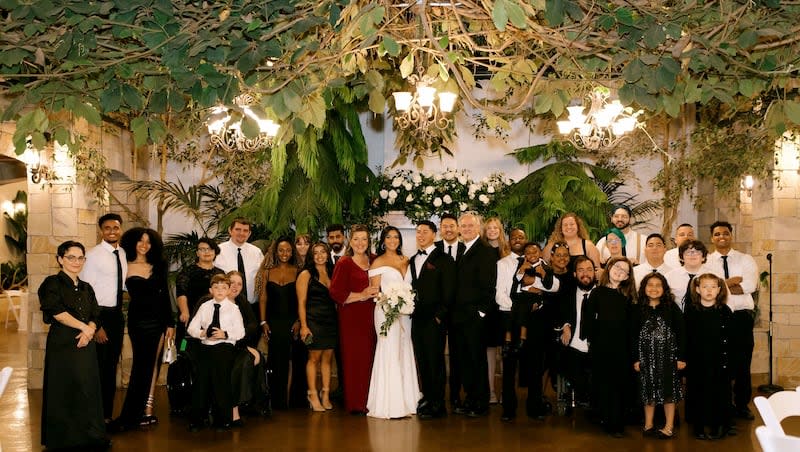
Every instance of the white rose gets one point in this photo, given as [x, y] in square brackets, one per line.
[391, 201]
[437, 202]
[462, 179]
[449, 175]
[462, 206]
[473, 188]
[484, 199]
[384, 194]
[392, 194]
[472, 196]
[437, 177]
[490, 189]
[429, 190]
[416, 178]
[397, 181]
[407, 185]
[409, 198]
[447, 199]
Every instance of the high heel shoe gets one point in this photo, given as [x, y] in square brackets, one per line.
[326, 401]
[313, 401]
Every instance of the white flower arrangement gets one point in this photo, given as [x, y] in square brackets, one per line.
[421, 196]
[397, 299]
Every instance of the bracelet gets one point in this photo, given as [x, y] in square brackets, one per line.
[263, 322]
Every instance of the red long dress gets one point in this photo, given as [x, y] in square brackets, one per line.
[357, 336]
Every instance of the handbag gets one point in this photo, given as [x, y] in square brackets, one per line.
[170, 353]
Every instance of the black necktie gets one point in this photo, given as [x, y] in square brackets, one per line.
[119, 278]
[240, 265]
[214, 321]
[725, 266]
[583, 316]
[450, 252]
[514, 280]
[336, 259]
[687, 299]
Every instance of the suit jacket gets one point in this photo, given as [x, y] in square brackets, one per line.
[477, 276]
[568, 310]
[435, 286]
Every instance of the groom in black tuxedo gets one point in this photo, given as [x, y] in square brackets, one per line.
[433, 277]
[476, 270]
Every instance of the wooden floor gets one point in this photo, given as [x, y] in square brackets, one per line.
[302, 430]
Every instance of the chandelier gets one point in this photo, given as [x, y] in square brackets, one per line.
[604, 126]
[239, 128]
[419, 109]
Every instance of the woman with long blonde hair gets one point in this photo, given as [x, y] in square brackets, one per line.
[571, 229]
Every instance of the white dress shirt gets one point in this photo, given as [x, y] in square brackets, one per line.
[739, 264]
[672, 259]
[645, 268]
[506, 273]
[678, 280]
[576, 342]
[100, 271]
[634, 247]
[227, 260]
[230, 321]
[468, 245]
[537, 281]
[453, 248]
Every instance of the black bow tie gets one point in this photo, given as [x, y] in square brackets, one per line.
[422, 253]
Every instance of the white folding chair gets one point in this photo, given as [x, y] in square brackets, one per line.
[778, 407]
[5, 375]
[773, 442]
[12, 307]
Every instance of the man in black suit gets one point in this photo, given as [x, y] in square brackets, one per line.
[476, 266]
[573, 297]
[433, 276]
[450, 245]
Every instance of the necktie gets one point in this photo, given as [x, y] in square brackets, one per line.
[725, 266]
[514, 280]
[214, 321]
[336, 259]
[450, 252]
[655, 270]
[583, 316]
[119, 278]
[687, 298]
[240, 265]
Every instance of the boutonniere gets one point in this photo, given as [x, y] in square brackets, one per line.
[429, 266]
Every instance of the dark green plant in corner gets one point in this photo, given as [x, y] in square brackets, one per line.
[13, 273]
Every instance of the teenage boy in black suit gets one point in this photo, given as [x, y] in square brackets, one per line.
[433, 275]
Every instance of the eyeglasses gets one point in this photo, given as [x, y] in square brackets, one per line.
[692, 252]
[560, 245]
[613, 241]
[619, 267]
[204, 250]
[75, 258]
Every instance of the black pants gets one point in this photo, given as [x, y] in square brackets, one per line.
[454, 375]
[469, 334]
[280, 352]
[531, 368]
[213, 382]
[741, 353]
[144, 344]
[428, 338]
[108, 354]
[575, 366]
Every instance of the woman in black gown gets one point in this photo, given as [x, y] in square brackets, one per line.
[606, 326]
[278, 311]
[318, 323]
[150, 320]
[72, 411]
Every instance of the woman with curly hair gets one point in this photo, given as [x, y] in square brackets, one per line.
[570, 229]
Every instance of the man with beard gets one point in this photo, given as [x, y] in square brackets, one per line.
[634, 242]
[105, 271]
[573, 301]
[448, 229]
[476, 266]
[433, 276]
[335, 236]
[741, 277]
[238, 254]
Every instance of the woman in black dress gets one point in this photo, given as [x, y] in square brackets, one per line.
[150, 321]
[606, 328]
[192, 284]
[72, 410]
[278, 311]
[318, 323]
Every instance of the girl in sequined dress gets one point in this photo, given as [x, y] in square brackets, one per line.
[659, 346]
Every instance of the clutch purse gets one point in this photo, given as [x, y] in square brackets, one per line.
[309, 339]
[170, 352]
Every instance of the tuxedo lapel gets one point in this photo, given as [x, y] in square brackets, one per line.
[429, 261]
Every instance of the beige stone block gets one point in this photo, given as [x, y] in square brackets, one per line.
[39, 224]
[788, 367]
[786, 299]
[783, 331]
[87, 216]
[40, 244]
[61, 199]
[758, 379]
[785, 227]
[794, 318]
[785, 261]
[760, 354]
[38, 202]
[39, 263]
[35, 378]
[65, 221]
[785, 283]
[787, 207]
[787, 245]
[780, 318]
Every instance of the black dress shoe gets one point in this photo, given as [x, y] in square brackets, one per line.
[194, 427]
[118, 425]
[222, 426]
[433, 412]
[507, 417]
[745, 413]
[238, 423]
[477, 412]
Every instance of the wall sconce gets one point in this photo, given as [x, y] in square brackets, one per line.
[746, 186]
[13, 208]
[36, 161]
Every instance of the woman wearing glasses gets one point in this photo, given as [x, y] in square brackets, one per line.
[193, 282]
[692, 255]
[72, 408]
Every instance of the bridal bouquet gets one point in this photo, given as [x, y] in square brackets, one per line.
[397, 299]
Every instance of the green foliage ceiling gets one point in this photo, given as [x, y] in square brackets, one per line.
[139, 60]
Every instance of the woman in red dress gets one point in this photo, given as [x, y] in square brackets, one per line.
[351, 290]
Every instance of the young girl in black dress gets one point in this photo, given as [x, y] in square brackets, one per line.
[658, 348]
[708, 392]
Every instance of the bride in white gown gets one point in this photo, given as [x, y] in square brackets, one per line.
[393, 388]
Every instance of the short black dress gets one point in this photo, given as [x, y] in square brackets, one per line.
[321, 316]
[659, 342]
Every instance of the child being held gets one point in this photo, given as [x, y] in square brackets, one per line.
[535, 278]
[218, 324]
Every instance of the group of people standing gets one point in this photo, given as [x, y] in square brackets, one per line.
[623, 311]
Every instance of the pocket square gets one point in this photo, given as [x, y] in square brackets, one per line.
[429, 266]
